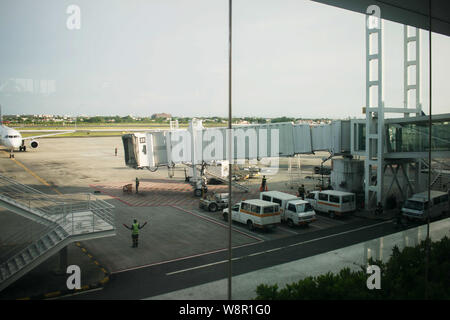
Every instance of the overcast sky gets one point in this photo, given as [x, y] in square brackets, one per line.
[295, 58]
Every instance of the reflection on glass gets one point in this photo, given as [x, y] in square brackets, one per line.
[413, 137]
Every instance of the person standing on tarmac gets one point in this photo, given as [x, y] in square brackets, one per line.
[301, 191]
[135, 227]
[137, 185]
[263, 184]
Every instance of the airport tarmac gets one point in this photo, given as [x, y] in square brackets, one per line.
[176, 228]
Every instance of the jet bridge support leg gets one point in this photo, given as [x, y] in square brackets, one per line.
[400, 172]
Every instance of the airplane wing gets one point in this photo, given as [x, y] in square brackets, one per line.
[46, 135]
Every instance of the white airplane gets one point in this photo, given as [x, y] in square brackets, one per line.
[12, 139]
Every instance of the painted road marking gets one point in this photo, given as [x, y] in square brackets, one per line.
[218, 223]
[238, 227]
[279, 248]
[182, 258]
[287, 230]
[76, 293]
[34, 174]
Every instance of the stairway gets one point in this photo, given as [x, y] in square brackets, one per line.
[295, 172]
[440, 172]
[47, 245]
[65, 219]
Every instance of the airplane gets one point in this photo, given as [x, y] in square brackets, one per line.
[12, 139]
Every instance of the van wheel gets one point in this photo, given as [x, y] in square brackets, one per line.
[198, 192]
[250, 225]
[213, 207]
[225, 216]
[332, 215]
[290, 223]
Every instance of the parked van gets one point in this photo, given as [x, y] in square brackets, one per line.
[336, 203]
[255, 213]
[294, 211]
[416, 207]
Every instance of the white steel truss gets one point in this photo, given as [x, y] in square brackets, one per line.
[375, 110]
[411, 61]
[373, 165]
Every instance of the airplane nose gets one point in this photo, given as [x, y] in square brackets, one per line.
[16, 143]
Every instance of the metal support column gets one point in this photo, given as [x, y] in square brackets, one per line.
[409, 63]
[374, 112]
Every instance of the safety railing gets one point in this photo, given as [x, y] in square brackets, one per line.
[77, 214]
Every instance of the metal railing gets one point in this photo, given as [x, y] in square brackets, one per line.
[77, 214]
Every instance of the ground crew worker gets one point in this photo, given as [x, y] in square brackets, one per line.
[301, 191]
[263, 184]
[137, 185]
[135, 227]
[115, 152]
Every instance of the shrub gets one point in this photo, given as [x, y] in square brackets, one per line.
[402, 277]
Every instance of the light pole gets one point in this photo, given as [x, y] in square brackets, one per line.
[427, 241]
[230, 136]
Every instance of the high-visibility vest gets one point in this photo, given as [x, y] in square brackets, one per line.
[135, 227]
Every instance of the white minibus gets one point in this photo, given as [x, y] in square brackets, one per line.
[336, 203]
[416, 206]
[294, 211]
[255, 213]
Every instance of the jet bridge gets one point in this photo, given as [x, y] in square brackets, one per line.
[197, 145]
[404, 140]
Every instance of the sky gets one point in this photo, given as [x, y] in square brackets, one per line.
[293, 58]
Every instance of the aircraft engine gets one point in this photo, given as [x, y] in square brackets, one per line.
[34, 144]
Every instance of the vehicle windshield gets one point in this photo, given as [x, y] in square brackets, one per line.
[304, 207]
[414, 205]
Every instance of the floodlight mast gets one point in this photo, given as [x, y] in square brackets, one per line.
[230, 136]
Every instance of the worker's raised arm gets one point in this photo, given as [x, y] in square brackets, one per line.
[126, 226]
[143, 225]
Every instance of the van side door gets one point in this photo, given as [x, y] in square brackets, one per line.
[243, 213]
[291, 211]
[321, 202]
[311, 198]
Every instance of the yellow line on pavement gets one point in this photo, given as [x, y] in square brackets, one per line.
[34, 174]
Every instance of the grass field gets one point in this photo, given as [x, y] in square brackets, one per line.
[84, 130]
[75, 134]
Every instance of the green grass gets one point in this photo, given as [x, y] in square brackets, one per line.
[81, 130]
[76, 134]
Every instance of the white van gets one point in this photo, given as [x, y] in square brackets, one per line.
[255, 213]
[294, 211]
[336, 203]
[416, 206]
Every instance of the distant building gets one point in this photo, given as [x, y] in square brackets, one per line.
[161, 115]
